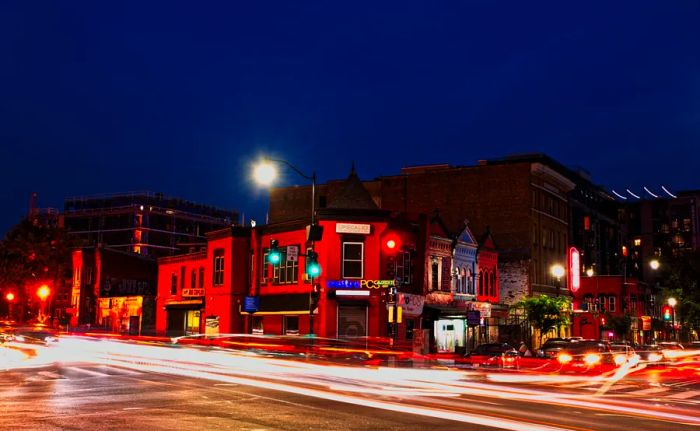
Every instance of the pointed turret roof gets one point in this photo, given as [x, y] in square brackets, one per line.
[353, 195]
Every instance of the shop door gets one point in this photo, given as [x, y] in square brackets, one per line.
[352, 321]
[176, 323]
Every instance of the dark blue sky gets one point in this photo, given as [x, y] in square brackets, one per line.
[179, 96]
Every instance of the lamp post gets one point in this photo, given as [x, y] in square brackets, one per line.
[558, 271]
[10, 298]
[43, 292]
[672, 303]
[265, 173]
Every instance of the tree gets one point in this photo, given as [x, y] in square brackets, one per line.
[681, 280]
[545, 313]
[30, 254]
[620, 325]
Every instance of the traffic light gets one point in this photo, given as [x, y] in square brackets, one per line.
[314, 297]
[391, 246]
[313, 269]
[274, 256]
[667, 312]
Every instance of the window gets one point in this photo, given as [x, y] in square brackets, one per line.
[218, 267]
[173, 284]
[353, 255]
[403, 267]
[434, 273]
[285, 272]
[201, 277]
[193, 284]
[182, 277]
[264, 274]
[291, 325]
[257, 327]
[492, 284]
[470, 282]
[611, 303]
[481, 283]
[637, 242]
[603, 308]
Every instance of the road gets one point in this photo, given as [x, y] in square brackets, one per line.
[107, 385]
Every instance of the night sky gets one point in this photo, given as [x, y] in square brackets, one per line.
[179, 97]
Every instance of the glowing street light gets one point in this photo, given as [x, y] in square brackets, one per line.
[43, 292]
[265, 174]
[654, 264]
[10, 297]
[672, 303]
[589, 272]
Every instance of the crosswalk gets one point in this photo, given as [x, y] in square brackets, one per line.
[68, 373]
[676, 392]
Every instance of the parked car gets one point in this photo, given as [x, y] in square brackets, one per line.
[501, 355]
[586, 355]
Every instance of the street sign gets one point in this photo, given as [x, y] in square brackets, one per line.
[251, 304]
[292, 253]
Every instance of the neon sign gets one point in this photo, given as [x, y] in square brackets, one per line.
[574, 269]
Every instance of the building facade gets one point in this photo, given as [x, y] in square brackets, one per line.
[142, 222]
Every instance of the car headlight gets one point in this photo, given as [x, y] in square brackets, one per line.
[564, 358]
[591, 359]
[654, 357]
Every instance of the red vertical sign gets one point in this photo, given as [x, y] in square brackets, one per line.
[574, 262]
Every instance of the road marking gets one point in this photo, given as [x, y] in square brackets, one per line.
[684, 395]
[91, 372]
[50, 374]
[649, 391]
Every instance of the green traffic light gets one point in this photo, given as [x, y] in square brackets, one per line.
[274, 257]
[313, 270]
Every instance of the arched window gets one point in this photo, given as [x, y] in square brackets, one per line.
[463, 274]
[481, 283]
[470, 282]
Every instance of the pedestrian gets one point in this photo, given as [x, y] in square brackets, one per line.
[523, 350]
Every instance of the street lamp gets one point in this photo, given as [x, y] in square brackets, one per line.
[10, 298]
[265, 173]
[654, 264]
[558, 271]
[43, 292]
[672, 303]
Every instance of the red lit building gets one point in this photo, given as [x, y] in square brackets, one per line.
[611, 308]
[360, 278]
[203, 292]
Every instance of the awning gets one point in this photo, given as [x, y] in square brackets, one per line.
[184, 305]
[283, 304]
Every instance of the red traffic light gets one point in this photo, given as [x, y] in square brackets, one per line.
[667, 311]
[392, 243]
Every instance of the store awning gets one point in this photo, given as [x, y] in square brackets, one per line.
[184, 305]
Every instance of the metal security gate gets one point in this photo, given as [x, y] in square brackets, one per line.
[352, 321]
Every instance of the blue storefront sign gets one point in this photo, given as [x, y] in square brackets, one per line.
[251, 304]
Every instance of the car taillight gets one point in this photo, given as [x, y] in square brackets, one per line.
[564, 358]
[591, 359]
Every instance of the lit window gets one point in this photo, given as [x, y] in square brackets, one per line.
[353, 260]
[285, 272]
[637, 242]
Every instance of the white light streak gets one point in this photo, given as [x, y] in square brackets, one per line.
[633, 195]
[649, 191]
[619, 195]
[668, 193]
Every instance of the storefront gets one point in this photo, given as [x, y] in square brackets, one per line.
[183, 317]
